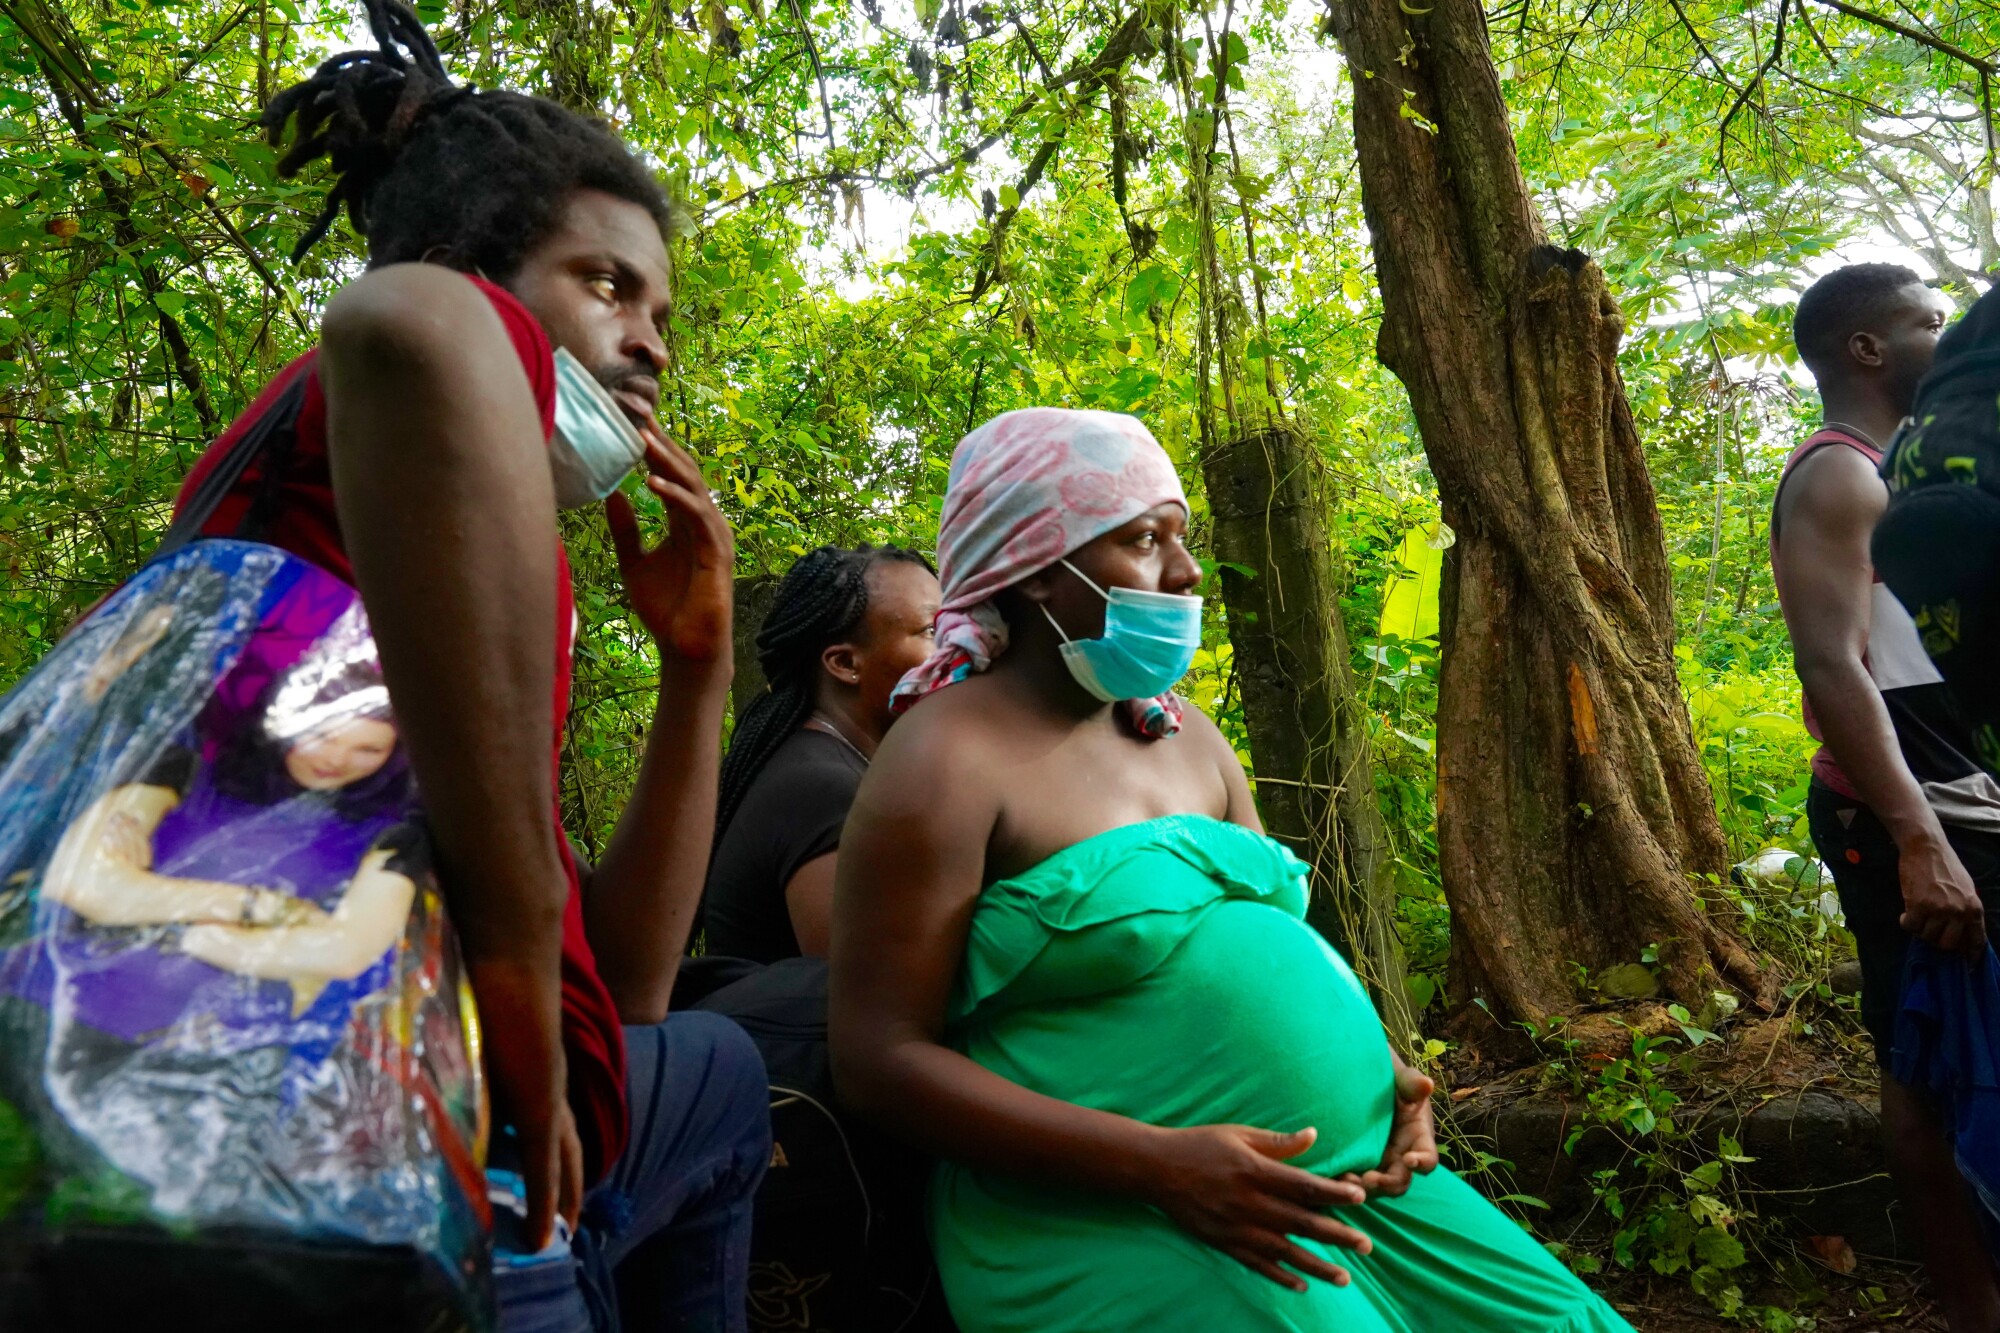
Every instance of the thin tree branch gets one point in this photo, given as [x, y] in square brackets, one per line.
[1916, 35]
[1702, 46]
[1048, 75]
[819, 74]
[1744, 93]
[201, 53]
[1818, 41]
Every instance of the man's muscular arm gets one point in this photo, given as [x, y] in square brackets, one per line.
[1828, 509]
[441, 478]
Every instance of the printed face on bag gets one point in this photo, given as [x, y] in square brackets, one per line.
[340, 755]
[247, 1003]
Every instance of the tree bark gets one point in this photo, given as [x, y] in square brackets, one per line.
[1575, 823]
[1308, 732]
[754, 594]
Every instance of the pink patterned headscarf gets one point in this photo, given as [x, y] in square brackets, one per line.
[1026, 489]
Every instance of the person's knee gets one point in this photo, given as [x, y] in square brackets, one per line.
[732, 1078]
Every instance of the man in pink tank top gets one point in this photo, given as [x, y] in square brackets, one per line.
[1908, 823]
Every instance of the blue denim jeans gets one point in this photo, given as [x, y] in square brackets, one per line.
[664, 1240]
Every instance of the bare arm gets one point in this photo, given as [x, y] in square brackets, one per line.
[102, 871]
[645, 889]
[1199, 727]
[1828, 509]
[909, 877]
[441, 477]
[335, 946]
[809, 900]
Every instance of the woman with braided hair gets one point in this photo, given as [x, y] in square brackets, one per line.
[501, 358]
[843, 629]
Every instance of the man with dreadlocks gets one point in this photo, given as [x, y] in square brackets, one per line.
[463, 388]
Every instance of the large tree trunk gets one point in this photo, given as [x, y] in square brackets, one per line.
[1308, 732]
[754, 595]
[1575, 823]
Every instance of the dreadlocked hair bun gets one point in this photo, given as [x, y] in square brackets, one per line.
[820, 601]
[423, 166]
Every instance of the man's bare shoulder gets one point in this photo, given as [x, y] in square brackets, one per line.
[1832, 476]
[1832, 490]
[405, 307]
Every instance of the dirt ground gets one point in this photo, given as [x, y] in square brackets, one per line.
[1761, 1056]
[1877, 1295]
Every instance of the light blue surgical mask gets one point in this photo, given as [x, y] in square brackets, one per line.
[594, 445]
[1148, 643]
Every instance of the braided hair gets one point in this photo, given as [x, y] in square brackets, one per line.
[819, 602]
[423, 165]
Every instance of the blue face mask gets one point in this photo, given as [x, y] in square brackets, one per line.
[594, 445]
[1148, 643]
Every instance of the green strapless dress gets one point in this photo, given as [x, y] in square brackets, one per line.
[1164, 971]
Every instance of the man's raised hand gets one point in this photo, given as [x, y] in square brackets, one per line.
[683, 590]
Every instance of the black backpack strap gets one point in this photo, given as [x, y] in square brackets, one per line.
[273, 431]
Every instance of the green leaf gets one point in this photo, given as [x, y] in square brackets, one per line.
[1423, 989]
[1729, 1150]
[1528, 1200]
[1410, 604]
[1009, 197]
[1718, 1249]
[1706, 1176]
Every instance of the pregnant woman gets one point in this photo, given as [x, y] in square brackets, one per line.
[1067, 961]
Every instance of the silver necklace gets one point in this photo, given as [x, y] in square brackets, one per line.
[833, 728]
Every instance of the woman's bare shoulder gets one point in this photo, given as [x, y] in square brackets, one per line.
[958, 715]
[1199, 727]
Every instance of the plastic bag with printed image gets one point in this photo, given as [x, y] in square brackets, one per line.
[232, 1015]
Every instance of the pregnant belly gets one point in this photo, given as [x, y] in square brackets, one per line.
[1251, 1020]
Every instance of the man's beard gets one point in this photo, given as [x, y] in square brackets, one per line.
[624, 375]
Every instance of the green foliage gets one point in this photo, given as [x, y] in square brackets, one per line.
[20, 1158]
[900, 222]
[1672, 1204]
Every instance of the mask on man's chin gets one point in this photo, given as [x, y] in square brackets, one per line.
[594, 444]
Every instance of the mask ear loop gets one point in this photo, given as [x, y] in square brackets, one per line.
[1052, 620]
[1064, 562]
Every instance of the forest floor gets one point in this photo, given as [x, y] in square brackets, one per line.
[1877, 1295]
[1804, 1073]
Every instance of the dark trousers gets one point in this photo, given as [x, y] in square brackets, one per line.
[1862, 856]
[664, 1241]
